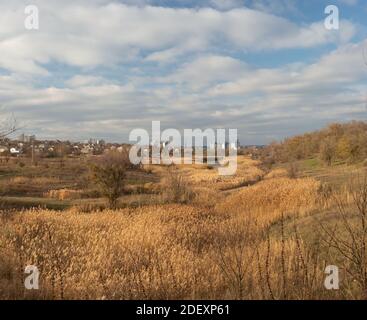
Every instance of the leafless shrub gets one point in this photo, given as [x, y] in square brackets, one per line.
[292, 269]
[234, 257]
[109, 173]
[348, 235]
[175, 187]
[292, 170]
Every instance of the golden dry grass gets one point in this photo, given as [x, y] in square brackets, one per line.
[24, 185]
[207, 176]
[158, 252]
[32, 181]
[276, 173]
[222, 245]
[63, 194]
[269, 199]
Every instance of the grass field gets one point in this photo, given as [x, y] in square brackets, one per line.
[256, 235]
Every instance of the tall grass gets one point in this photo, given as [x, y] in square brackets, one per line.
[244, 245]
[157, 252]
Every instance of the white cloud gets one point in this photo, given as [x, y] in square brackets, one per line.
[82, 81]
[206, 70]
[255, 99]
[342, 66]
[98, 34]
[119, 67]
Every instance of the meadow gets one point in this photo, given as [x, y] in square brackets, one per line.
[182, 232]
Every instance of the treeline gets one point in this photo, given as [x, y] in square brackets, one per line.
[336, 143]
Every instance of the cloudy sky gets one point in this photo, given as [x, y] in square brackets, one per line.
[100, 68]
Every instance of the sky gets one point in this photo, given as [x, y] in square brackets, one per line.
[101, 68]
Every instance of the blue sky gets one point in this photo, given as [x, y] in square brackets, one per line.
[101, 68]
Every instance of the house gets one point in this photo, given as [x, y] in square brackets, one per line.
[3, 149]
[14, 151]
[87, 149]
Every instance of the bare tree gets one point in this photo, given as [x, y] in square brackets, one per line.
[327, 150]
[109, 173]
[7, 127]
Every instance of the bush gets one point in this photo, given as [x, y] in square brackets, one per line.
[109, 173]
[327, 151]
[176, 188]
[292, 170]
[21, 164]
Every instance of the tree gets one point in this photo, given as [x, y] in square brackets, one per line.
[7, 127]
[292, 170]
[109, 173]
[343, 148]
[327, 150]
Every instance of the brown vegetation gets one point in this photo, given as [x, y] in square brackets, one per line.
[338, 142]
[183, 232]
[109, 173]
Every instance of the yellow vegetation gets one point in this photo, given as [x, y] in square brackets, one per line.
[218, 247]
[157, 252]
[271, 198]
[247, 172]
[63, 194]
[35, 180]
[276, 173]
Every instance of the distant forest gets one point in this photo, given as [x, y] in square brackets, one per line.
[336, 143]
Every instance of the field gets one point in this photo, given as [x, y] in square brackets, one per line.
[257, 235]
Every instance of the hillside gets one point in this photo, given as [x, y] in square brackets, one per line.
[337, 143]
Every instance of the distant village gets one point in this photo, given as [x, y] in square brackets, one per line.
[29, 146]
[26, 145]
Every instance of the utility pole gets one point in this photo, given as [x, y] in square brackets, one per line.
[32, 152]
